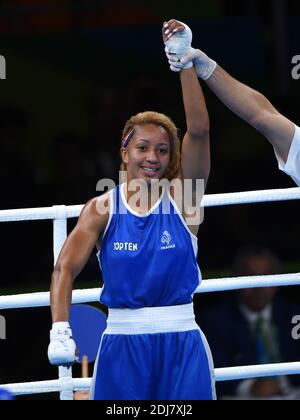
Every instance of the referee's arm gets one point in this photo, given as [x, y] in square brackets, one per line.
[255, 109]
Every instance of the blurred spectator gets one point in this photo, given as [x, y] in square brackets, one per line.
[71, 183]
[105, 114]
[17, 189]
[254, 327]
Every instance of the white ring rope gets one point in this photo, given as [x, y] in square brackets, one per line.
[51, 213]
[257, 371]
[35, 300]
[251, 197]
[224, 374]
[43, 213]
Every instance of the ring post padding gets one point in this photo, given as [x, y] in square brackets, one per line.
[66, 381]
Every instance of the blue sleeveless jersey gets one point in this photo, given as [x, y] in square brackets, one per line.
[150, 261]
[147, 260]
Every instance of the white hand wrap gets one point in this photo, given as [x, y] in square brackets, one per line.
[181, 55]
[204, 65]
[178, 46]
[62, 348]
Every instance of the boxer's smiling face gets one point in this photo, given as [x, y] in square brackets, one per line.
[148, 154]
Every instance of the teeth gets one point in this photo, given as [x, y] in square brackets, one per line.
[150, 170]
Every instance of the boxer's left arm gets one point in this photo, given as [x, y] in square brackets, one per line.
[195, 154]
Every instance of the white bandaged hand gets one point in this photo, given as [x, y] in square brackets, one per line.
[181, 55]
[204, 65]
[62, 348]
[178, 46]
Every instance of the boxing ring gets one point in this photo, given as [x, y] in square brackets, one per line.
[66, 384]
